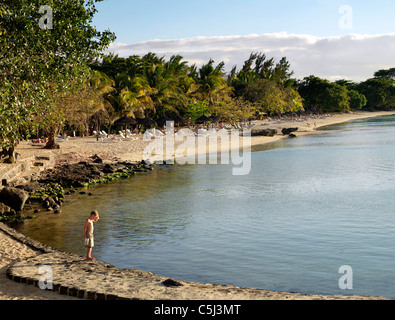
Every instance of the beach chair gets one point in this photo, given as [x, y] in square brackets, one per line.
[111, 140]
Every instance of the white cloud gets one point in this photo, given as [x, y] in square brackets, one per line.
[355, 57]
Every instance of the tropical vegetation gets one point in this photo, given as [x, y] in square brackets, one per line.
[56, 78]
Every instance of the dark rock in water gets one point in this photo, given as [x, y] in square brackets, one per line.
[49, 202]
[45, 204]
[288, 130]
[15, 198]
[171, 283]
[57, 211]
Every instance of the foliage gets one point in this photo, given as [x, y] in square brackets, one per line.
[357, 100]
[196, 109]
[321, 95]
[266, 85]
[57, 77]
[233, 110]
[38, 67]
[385, 73]
[379, 92]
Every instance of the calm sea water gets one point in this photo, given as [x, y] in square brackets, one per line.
[309, 206]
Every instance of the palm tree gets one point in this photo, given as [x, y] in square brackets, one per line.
[165, 80]
[212, 82]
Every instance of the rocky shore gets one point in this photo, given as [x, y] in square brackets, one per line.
[47, 191]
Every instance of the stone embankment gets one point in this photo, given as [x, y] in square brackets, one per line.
[25, 170]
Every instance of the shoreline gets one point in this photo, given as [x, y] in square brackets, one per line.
[17, 249]
[311, 125]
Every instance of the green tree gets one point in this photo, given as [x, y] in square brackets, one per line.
[324, 96]
[211, 81]
[379, 92]
[385, 73]
[357, 100]
[196, 109]
[42, 65]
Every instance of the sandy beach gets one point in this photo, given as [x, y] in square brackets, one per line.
[78, 149]
[15, 252]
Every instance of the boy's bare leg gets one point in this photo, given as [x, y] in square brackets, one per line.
[88, 254]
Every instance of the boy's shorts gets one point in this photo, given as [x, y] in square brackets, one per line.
[89, 242]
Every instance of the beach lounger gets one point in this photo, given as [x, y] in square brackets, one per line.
[111, 140]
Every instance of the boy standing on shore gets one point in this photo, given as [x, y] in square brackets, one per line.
[88, 233]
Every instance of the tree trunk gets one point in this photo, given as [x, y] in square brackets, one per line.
[9, 154]
[51, 144]
[97, 131]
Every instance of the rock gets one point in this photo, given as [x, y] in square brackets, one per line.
[98, 160]
[45, 204]
[288, 130]
[171, 283]
[108, 169]
[14, 198]
[57, 211]
[4, 209]
[51, 202]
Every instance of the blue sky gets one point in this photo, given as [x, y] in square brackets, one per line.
[136, 22]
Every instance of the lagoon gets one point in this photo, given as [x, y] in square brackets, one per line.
[309, 206]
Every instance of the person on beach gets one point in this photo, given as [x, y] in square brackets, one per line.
[88, 233]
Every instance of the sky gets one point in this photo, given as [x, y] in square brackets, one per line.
[347, 39]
